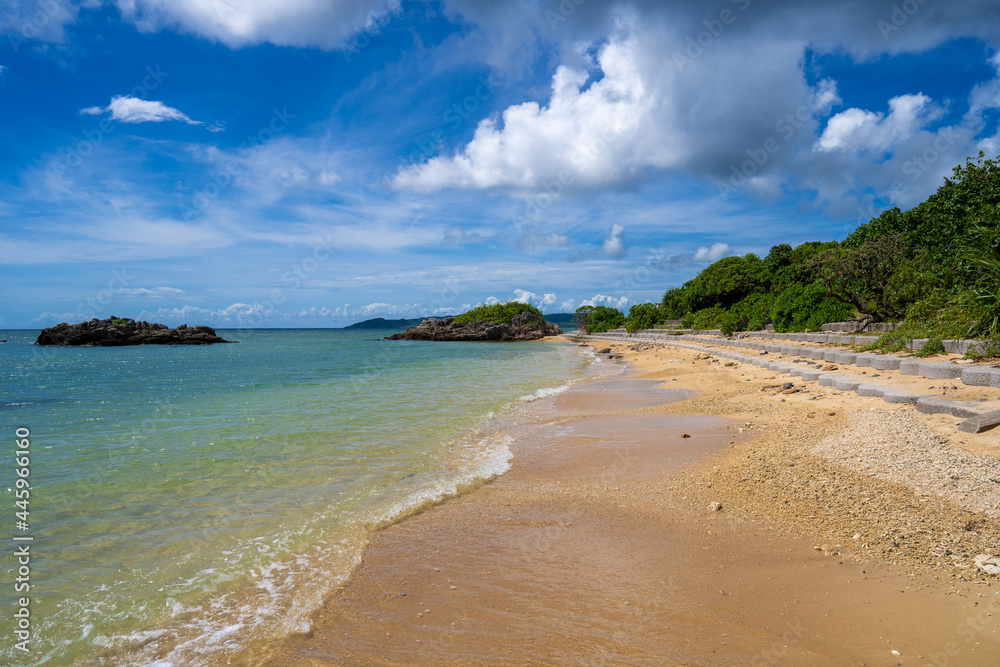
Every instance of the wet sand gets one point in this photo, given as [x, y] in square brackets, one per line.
[592, 550]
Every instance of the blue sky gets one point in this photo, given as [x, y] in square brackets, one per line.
[316, 163]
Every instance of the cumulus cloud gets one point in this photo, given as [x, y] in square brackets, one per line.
[703, 255]
[541, 302]
[239, 23]
[584, 133]
[860, 130]
[614, 244]
[603, 300]
[716, 252]
[568, 306]
[128, 109]
[631, 103]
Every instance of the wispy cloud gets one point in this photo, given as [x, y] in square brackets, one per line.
[128, 109]
[154, 293]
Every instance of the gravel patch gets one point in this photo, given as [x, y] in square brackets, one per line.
[896, 447]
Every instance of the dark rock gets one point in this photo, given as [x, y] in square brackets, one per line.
[116, 331]
[606, 350]
[523, 326]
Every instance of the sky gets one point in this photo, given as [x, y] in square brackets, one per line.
[313, 163]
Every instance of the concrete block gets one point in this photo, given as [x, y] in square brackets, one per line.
[887, 362]
[899, 395]
[828, 379]
[881, 362]
[935, 405]
[847, 383]
[871, 389]
[845, 357]
[831, 355]
[980, 423]
[941, 370]
[981, 376]
[864, 360]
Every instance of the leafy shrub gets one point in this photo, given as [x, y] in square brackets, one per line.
[932, 346]
[709, 318]
[807, 307]
[642, 316]
[750, 314]
[674, 305]
[598, 319]
[726, 282]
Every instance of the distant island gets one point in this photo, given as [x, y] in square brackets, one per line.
[119, 331]
[500, 322]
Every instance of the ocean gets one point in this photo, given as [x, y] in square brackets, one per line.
[189, 505]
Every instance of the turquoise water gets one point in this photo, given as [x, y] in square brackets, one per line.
[189, 501]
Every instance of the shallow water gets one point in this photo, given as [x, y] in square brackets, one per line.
[187, 499]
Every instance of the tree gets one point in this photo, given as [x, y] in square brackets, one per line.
[727, 282]
[597, 319]
[642, 316]
[674, 305]
[876, 278]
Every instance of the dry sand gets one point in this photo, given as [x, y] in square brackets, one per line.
[600, 546]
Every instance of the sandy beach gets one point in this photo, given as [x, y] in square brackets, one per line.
[687, 512]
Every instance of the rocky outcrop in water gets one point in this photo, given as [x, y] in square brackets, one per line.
[523, 326]
[116, 331]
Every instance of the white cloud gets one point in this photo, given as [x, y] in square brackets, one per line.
[715, 253]
[585, 135]
[522, 296]
[568, 306]
[603, 300]
[51, 319]
[328, 177]
[540, 302]
[861, 130]
[128, 109]
[22, 21]
[154, 293]
[532, 237]
[240, 23]
[614, 244]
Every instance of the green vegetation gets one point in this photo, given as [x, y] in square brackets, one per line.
[598, 319]
[500, 313]
[935, 267]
